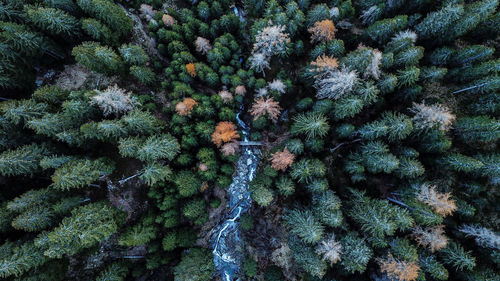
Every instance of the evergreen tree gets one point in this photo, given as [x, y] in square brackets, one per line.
[303, 224]
[196, 264]
[53, 21]
[80, 173]
[86, 227]
[98, 58]
[23, 160]
[109, 13]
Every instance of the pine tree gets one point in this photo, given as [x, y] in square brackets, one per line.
[478, 128]
[109, 13]
[86, 227]
[98, 31]
[195, 210]
[133, 54]
[303, 224]
[312, 125]
[98, 58]
[80, 173]
[307, 258]
[307, 169]
[454, 255]
[114, 272]
[23, 160]
[381, 31]
[54, 21]
[392, 126]
[196, 264]
[155, 173]
[19, 258]
[187, 183]
[139, 234]
[435, 24]
[377, 217]
[150, 149]
[326, 207]
[356, 253]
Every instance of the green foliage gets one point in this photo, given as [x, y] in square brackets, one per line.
[187, 183]
[196, 265]
[86, 227]
[80, 173]
[53, 21]
[326, 207]
[389, 218]
[250, 267]
[312, 125]
[391, 126]
[144, 75]
[23, 160]
[114, 272]
[154, 173]
[133, 54]
[150, 149]
[195, 210]
[306, 169]
[98, 31]
[139, 234]
[307, 258]
[478, 128]
[454, 255]
[356, 253]
[431, 266]
[381, 31]
[303, 224]
[18, 258]
[98, 58]
[109, 13]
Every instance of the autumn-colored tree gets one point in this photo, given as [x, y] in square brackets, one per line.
[168, 20]
[399, 270]
[224, 132]
[277, 85]
[114, 100]
[263, 106]
[230, 148]
[203, 45]
[324, 62]
[271, 40]
[440, 202]
[226, 96]
[281, 160]
[240, 90]
[185, 107]
[432, 237]
[432, 116]
[322, 31]
[330, 249]
[191, 69]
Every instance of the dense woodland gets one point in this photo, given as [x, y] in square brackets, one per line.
[378, 123]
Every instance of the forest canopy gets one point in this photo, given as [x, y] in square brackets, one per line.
[335, 140]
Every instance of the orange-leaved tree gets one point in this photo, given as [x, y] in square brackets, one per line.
[224, 132]
[281, 160]
[263, 106]
[322, 31]
[185, 107]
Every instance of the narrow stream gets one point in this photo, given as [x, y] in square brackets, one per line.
[226, 242]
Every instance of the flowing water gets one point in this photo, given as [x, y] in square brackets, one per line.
[227, 244]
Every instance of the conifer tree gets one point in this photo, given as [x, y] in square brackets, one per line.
[53, 21]
[86, 227]
[109, 13]
[196, 264]
[80, 173]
